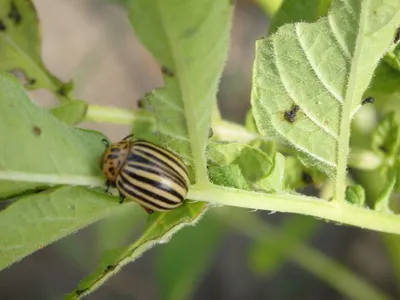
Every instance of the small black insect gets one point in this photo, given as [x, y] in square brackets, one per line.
[368, 100]
[14, 14]
[36, 130]
[397, 36]
[3, 26]
[291, 114]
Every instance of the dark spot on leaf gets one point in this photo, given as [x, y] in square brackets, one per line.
[306, 178]
[61, 91]
[167, 71]
[383, 148]
[326, 122]
[290, 115]
[368, 100]
[111, 170]
[210, 133]
[14, 14]
[3, 26]
[80, 292]
[36, 130]
[31, 81]
[397, 36]
[109, 268]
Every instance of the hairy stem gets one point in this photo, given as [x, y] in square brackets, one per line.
[344, 213]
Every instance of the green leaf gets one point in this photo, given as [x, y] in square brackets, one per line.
[386, 136]
[392, 58]
[42, 151]
[190, 42]
[20, 46]
[72, 112]
[116, 230]
[299, 10]
[264, 259]
[253, 163]
[386, 89]
[35, 221]
[177, 272]
[159, 229]
[324, 69]
[228, 176]
[382, 204]
[274, 180]
[355, 194]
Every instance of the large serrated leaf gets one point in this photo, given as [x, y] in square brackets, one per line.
[323, 68]
[189, 39]
[35, 221]
[20, 46]
[160, 227]
[39, 151]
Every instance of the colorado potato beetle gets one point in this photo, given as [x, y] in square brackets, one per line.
[146, 173]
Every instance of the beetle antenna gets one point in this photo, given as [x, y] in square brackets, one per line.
[106, 143]
[128, 136]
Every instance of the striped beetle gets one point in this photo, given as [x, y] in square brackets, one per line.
[146, 173]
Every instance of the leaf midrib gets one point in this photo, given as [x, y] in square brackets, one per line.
[344, 131]
[196, 144]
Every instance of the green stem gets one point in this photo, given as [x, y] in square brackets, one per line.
[294, 203]
[338, 276]
[113, 115]
[223, 130]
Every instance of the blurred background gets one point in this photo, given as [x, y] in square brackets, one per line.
[92, 42]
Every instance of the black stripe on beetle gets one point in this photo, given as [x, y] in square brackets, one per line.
[156, 170]
[159, 155]
[132, 192]
[290, 115]
[368, 100]
[151, 187]
[153, 161]
[146, 173]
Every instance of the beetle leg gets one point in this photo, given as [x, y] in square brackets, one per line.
[108, 184]
[148, 210]
[121, 198]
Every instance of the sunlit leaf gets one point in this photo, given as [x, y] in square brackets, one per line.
[386, 136]
[159, 229]
[190, 42]
[42, 151]
[355, 194]
[324, 69]
[34, 221]
[20, 46]
[72, 112]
